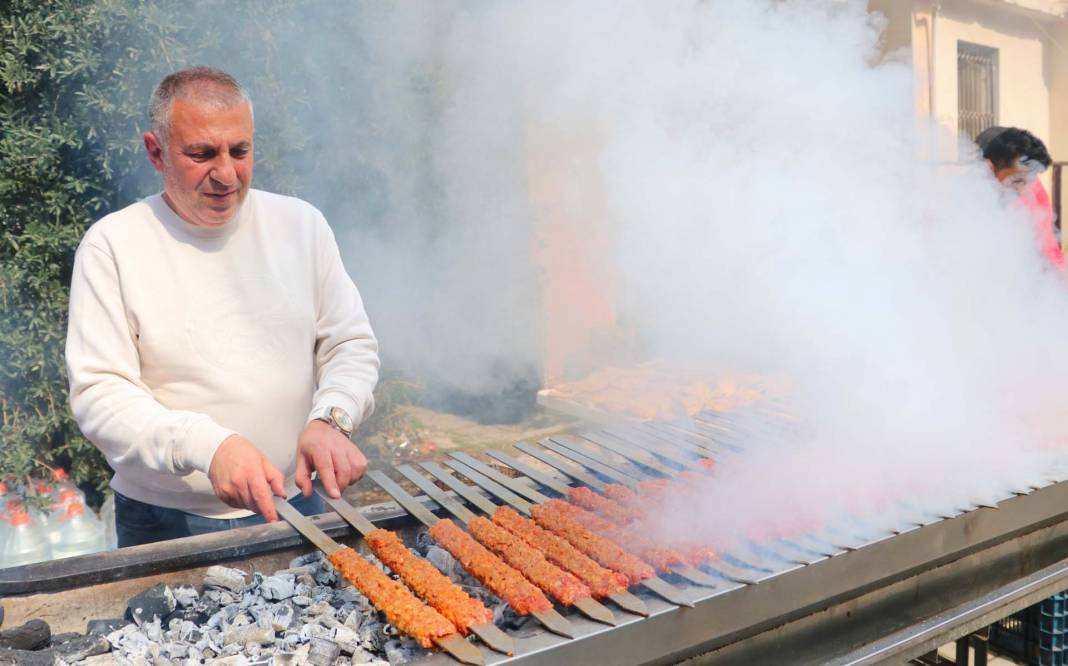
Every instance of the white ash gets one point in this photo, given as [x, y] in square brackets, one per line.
[266, 620]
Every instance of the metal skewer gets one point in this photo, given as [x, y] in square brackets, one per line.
[654, 584]
[624, 600]
[454, 644]
[488, 632]
[588, 605]
[685, 571]
[550, 619]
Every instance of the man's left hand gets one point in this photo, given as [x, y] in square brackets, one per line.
[323, 449]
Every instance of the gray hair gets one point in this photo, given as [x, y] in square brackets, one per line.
[204, 84]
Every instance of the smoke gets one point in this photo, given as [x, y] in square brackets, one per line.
[753, 187]
[770, 203]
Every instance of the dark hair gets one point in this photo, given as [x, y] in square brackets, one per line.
[205, 83]
[1004, 145]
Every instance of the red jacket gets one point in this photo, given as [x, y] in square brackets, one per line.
[1037, 202]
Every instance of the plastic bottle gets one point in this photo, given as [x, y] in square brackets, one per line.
[5, 518]
[107, 519]
[55, 523]
[26, 542]
[79, 533]
[63, 482]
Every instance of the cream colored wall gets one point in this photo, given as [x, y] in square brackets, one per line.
[1024, 72]
[1057, 61]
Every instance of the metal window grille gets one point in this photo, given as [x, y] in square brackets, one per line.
[977, 88]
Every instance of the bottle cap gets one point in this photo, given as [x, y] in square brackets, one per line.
[19, 517]
[76, 509]
[59, 474]
[67, 495]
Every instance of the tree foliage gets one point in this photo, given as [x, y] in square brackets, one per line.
[75, 77]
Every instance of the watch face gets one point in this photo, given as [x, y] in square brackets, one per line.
[341, 418]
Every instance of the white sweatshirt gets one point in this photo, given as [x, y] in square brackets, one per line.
[182, 335]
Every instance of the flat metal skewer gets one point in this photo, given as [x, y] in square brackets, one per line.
[550, 619]
[562, 465]
[589, 606]
[684, 570]
[611, 473]
[488, 632]
[655, 584]
[668, 453]
[454, 644]
[624, 600]
[634, 454]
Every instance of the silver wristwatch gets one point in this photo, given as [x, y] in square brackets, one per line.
[336, 418]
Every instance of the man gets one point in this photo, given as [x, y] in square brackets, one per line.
[218, 352]
[1017, 158]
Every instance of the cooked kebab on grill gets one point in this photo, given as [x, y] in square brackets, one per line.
[563, 586]
[431, 585]
[613, 511]
[601, 581]
[501, 579]
[601, 550]
[660, 557]
[402, 609]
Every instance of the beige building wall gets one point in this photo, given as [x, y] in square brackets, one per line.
[1031, 37]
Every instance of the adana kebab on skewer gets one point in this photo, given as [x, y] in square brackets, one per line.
[468, 614]
[424, 578]
[664, 559]
[529, 561]
[603, 583]
[490, 570]
[404, 611]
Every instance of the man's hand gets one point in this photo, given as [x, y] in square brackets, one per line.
[243, 477]
[325, 450]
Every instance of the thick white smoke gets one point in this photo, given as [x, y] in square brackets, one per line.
[773, 205]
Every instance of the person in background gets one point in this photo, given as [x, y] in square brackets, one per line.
[1017, 158]
[218, 352]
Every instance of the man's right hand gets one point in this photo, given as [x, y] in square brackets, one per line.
[243, 477]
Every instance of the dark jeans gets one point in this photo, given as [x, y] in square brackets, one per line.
[137, 523]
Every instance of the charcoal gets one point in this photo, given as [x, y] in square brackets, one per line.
[156, 602]
[313, 557]
[423, 543]
[443, 560]
[307, 581]
[188, 632]
[106, 659]
[231, 660]
[282, 617]
[354, 619]
[221, 597]
[287, 658]
[327, 575]
[323, 652]
[242, 619]
[301, 600]
[30, 636]
[9, 656]
[80, 647]
[226, 578]
[371, 636]
[245, 635]
[291, 640]
[278, 588]
[390, 630]
[319, 608]
[347, 595]
[310, 631]
[296, 572]
[153, 631]
[186, 595]
[104, 627]
[175, 650]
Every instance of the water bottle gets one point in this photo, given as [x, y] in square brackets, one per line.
[79, 533]
[107, 519]
[63, 482]
[55, 523]
[26, 542]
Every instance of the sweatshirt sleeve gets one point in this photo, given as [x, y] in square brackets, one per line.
[346, 351]
[112, 405]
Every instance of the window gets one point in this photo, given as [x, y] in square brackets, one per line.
[977, 88]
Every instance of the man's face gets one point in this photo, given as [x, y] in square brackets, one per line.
[205, 160]
[1016, 177]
